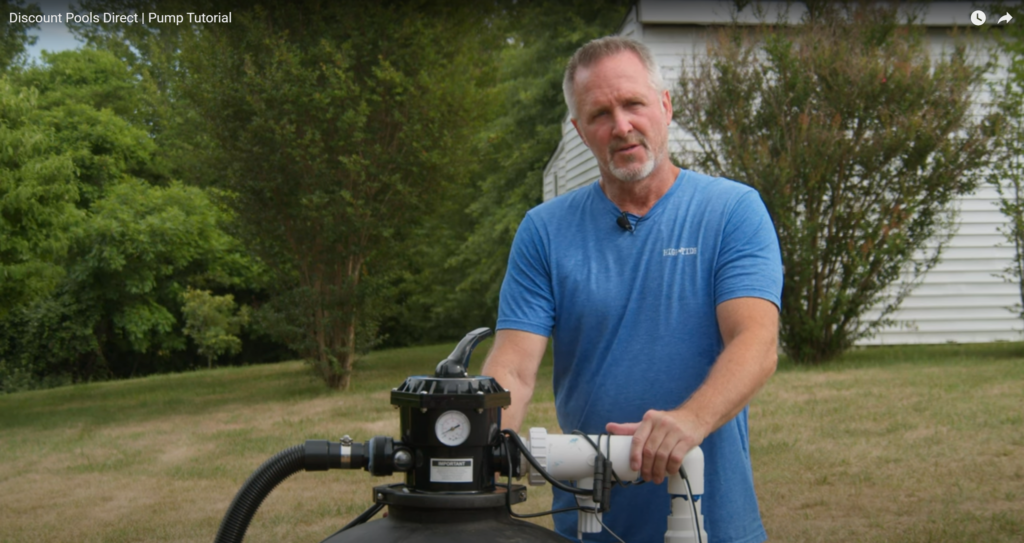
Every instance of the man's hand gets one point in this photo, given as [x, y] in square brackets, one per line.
[660, 442]
[750, 328]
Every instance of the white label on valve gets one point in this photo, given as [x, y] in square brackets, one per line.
[451, 470]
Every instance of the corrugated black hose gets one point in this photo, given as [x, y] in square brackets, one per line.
[314, 455]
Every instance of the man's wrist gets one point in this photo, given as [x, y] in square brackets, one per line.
[692, 422]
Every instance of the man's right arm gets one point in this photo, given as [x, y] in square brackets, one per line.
[513, 362]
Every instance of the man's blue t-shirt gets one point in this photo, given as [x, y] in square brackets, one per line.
[632, 316]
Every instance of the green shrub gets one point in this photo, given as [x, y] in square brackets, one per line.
[859, 144]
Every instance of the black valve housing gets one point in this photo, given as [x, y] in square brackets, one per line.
[469, 466]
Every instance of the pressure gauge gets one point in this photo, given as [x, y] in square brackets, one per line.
[452, 428]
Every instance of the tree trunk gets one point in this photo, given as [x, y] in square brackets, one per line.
[348, 361]
[348, 358]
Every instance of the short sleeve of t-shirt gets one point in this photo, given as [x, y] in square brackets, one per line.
[749, 261]
[527, 302]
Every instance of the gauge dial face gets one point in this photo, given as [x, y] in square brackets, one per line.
[452, 428]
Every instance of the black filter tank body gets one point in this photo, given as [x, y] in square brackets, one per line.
[446, 518]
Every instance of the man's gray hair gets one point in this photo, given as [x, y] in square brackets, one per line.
[600, 48]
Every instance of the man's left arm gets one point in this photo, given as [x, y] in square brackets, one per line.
[749, 328]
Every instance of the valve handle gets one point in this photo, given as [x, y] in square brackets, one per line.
[458, 362]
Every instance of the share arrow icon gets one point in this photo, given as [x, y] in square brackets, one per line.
[1005, 19]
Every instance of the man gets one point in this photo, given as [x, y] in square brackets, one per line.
[664, 326]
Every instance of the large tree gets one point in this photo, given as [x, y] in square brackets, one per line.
[860, 145]
[337, 127]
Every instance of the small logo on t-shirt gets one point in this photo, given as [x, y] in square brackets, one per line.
[682, 251]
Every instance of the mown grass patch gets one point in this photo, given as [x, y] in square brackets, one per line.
[910, 443]
[917, 444]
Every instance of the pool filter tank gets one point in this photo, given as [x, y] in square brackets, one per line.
[450, 448]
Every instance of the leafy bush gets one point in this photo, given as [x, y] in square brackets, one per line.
[859, 144]
[1007, 173]
[213, 322]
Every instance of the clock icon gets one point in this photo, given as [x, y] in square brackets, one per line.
[978, 18]
[452, 428]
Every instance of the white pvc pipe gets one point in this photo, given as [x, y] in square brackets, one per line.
[572, 457]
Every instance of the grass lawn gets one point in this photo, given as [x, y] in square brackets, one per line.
[905, 444]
